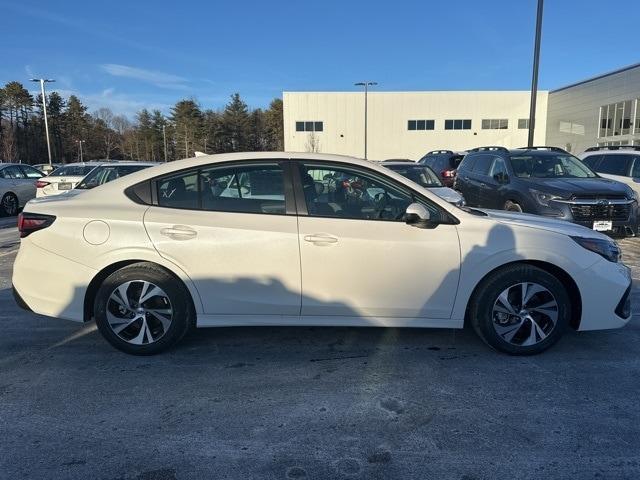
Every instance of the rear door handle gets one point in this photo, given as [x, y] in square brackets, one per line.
[179, 232]
[320, 239]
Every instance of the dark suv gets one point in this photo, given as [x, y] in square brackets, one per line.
[546, 181]
[444, 163]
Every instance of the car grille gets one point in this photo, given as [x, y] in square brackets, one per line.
[618, 212]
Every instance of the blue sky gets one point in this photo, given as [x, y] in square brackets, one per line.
[135, 54]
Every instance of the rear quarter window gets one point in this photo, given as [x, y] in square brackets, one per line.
[615, 164]
[467, 164]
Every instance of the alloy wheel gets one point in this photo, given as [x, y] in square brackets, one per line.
[10, 205]
[139, 312]
[525, 314]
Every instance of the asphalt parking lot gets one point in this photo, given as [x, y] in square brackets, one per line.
[313, 403]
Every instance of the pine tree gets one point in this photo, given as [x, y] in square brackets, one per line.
[274, 125]
[186, 118]
[235, 126]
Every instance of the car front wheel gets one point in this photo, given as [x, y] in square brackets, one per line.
[520, 310]
[142, 309]
[512, 206]
[9, 205]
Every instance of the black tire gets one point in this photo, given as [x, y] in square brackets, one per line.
[9, 205]
[182, 317]
[481, 309]
[512, 206]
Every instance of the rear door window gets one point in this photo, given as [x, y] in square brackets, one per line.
[592, 162]
[615, 165]
[482, 165]
[467, 164]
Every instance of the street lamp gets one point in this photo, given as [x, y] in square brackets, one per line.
[80, 142]
[534, 77]
[366, 86]
[42, 81]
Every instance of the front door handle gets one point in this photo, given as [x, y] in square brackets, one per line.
[179, 232]
[320, 239]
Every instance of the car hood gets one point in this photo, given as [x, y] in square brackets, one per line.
[446, 193]
[543, 223]
[566, 187]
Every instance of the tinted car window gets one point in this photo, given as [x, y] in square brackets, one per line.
[455, 160]
[592, 161]
[336, 191]
[420, 174]
[11, 172]
[499, 167]
[635, 170]
[482, 165]
[72, 171]
[31, 172]
[615, 164]
[251, 189]
[245, 189]
[466, 164]
[107, 173]
[549, 165]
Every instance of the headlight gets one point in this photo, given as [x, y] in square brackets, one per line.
[542, 198]
[607, 248]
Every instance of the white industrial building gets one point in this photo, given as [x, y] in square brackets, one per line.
[602, 110]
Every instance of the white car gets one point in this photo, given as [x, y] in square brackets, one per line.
[427, 178]
[17, 186]
[617, 163]
[248, 239]
[108, 172]
[64, 178]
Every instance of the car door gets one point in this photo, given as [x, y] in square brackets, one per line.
[360, 259]
[233, 230]
[478, 178]
[492, 195]
[17, 183]
[619, 167]
[463, 183]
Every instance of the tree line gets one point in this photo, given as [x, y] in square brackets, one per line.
[104, 135]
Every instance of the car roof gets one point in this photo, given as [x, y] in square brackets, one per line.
[622, 151]
[126, 163]
[402, 163]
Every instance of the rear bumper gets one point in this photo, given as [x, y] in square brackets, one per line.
[49, 284]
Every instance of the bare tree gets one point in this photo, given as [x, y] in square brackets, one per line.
[313, 143]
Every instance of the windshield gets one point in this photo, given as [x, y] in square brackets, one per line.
[420, 174]
[108, 173]
[549, 165]
[72, 171]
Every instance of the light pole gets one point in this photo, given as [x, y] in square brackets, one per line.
[534, 77]
[164, 139]
[42, 81]
[366, 86]
[80, 142]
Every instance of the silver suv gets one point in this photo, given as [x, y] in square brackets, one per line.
[621, 163]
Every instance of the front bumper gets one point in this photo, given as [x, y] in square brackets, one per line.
[581, 214]
[605, 289]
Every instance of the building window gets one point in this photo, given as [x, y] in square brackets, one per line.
[495, 124]
[309, 126]
[523, 123]
[421, 124]
[457, 124]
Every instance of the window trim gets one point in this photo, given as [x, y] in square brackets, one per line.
[289, 200]
[301, 201]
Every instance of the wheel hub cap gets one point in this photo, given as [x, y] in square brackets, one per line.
[525, 314]
[139, 312]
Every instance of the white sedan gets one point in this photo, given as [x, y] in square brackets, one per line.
[252, 239]
[64, 178]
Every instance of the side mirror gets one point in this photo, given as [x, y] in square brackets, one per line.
[501, 177]
[417, 215]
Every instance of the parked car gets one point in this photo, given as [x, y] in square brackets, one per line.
[444, 163]
[251, 239]
[46, 168]
[108, 172]
[547, 181]
[64, 178]
[617, 163]
[427, 178]
[17, 186]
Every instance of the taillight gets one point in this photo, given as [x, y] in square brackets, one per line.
[32, 222]
[41, 184]
[448, 173]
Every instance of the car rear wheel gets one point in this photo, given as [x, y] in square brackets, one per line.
[9, 205]
[520, 310]
[142, 309]
[512, 206]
